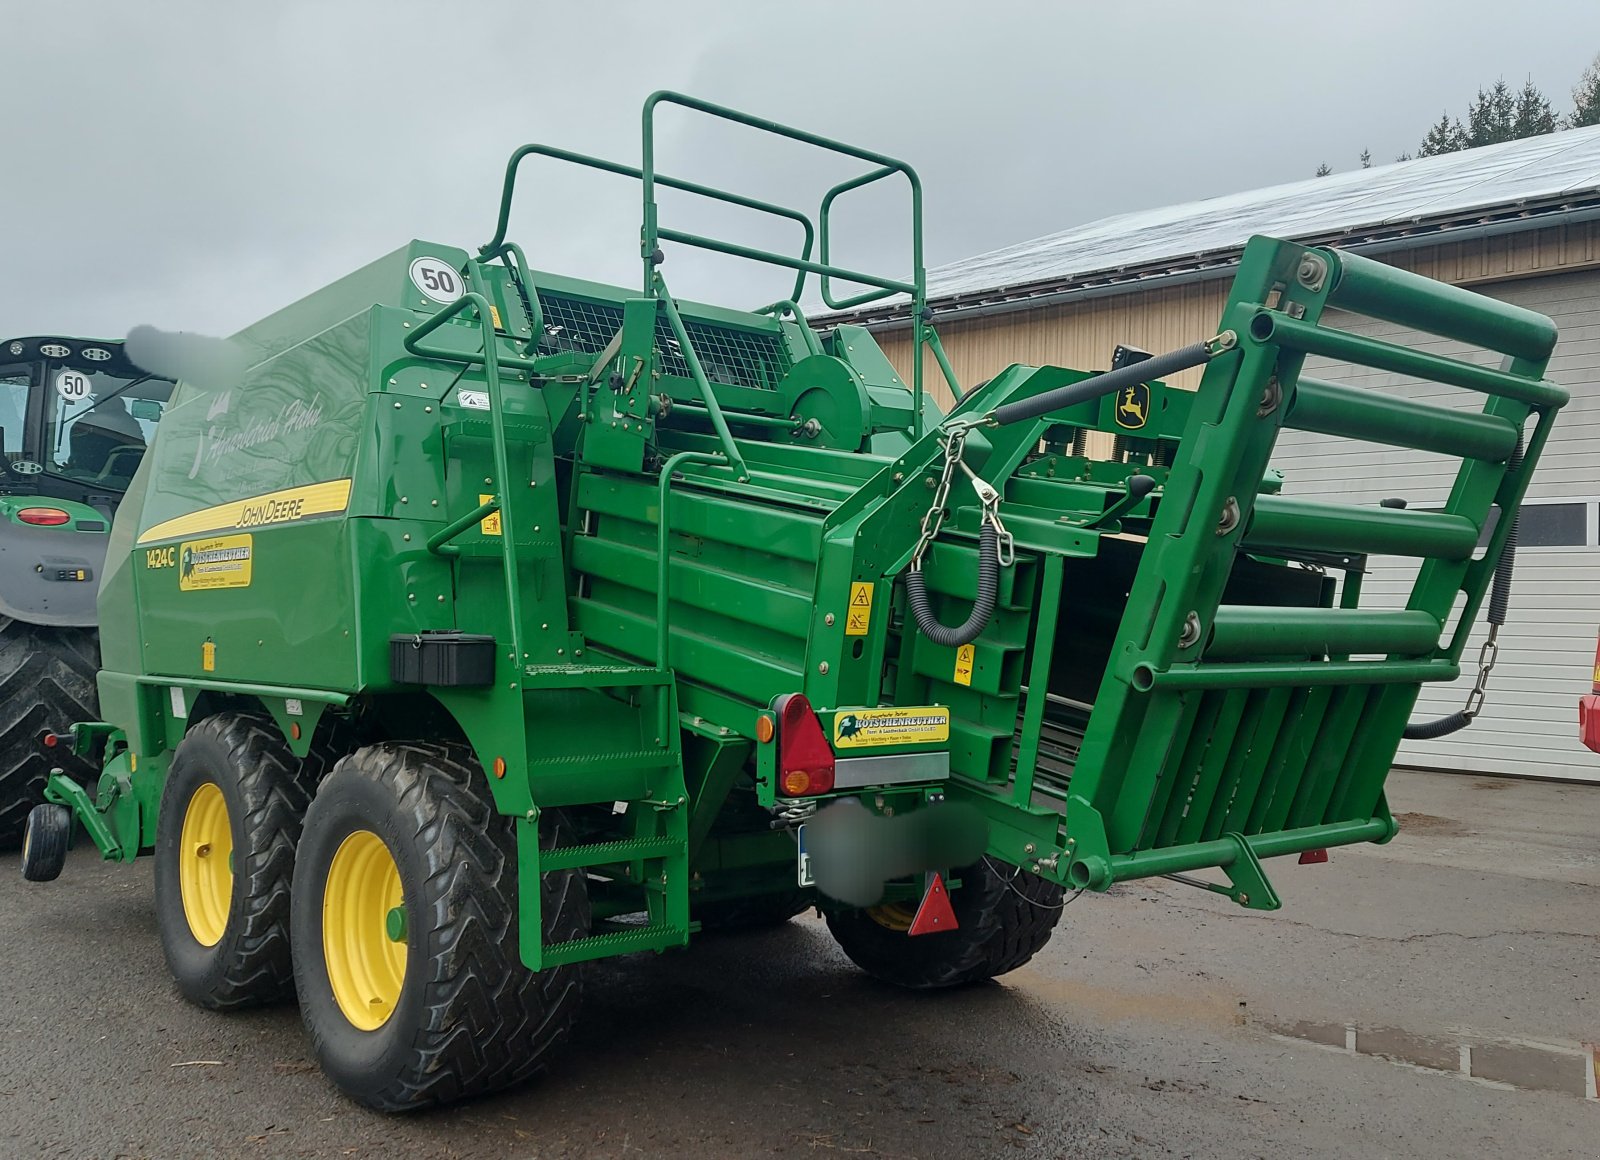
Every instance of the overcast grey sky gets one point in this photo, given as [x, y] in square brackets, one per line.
[196, 165]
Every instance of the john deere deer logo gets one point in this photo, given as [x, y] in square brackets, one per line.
[1133, 406]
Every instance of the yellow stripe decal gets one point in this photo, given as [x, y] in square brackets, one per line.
[275, 507]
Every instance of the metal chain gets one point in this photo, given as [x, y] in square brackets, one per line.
[1487, 656]
[954, 442]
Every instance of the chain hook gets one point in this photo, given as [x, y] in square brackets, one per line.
[1487, 656]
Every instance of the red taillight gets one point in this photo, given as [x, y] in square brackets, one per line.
[805, 759]
[48, 517]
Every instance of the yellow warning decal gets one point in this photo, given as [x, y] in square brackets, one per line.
[490, 524]
[864, 728]
[208, 657]
[964, 655]
[220, 562]
[275, 507]
[859, 614]
[494, 315]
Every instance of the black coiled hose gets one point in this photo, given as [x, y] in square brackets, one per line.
[982, 608]
[1499, 600]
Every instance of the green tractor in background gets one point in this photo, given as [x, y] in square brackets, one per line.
[75, 418]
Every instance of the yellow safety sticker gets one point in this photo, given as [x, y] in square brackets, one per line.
[494, 314]
[208, 657]
[864, 728]
[964, 656]
[220, 562]
[490, 524]
[859, 614]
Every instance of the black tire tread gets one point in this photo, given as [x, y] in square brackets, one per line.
[1005, 919]
[276, 787]
[47, 681]
[489, 1022]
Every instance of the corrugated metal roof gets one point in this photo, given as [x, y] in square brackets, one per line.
[1517, 179]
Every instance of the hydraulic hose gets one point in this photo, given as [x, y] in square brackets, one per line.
[982, 608]
[1499, 600]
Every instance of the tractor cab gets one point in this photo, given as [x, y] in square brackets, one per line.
[75, 419]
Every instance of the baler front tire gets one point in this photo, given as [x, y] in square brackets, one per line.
[1004, 920]
[47, 680]
[404, 847]
[238, 794]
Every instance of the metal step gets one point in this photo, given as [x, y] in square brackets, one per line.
[609, 853]
[1378, 531]
[618, 942]
[1357, 413]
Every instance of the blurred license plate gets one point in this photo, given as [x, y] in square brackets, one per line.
[803, 865]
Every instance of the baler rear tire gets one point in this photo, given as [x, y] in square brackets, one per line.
[47, 681]
[1004, 920]
[264, 790]
[465, 1017]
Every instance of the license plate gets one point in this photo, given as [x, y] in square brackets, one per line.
[803, 860]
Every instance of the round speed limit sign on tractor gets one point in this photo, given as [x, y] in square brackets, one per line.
[71, 385]
[438, 280]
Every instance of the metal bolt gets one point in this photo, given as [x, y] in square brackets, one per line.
[429, 410]
[1029, 848]
[1312, 271]
[424, 386]
[1230, 517]
[536, 527]
[1191, 630]
[397, 406]
[561, 652]
[411, 596]
[823, 668]
[899, 476]
[488, 479]
[1244, 900]
[394, 382]
[404, 499]
[435, 503]
[441, 599]
[406, 537]
[828, 619]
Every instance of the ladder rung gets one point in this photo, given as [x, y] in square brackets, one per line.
[1356, 413]
[1302, 674]
[1308, 337]
[618, 942]
[1257, 631]
[607, 853]
[1328, 527]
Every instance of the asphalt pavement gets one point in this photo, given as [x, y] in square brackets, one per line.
[1160, 1021]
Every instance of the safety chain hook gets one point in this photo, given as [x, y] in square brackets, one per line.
[954, 442]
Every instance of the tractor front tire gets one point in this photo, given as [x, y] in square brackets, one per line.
[231, 812]
[406, 938]
[1004, 920]
[47, 681]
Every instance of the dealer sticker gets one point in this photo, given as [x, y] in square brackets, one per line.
[219, 562]
[866, 728]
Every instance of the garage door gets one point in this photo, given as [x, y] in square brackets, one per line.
[1529, 726]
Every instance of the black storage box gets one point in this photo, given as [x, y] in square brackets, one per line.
[442, 657]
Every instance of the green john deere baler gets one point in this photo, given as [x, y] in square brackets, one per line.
[499, 621]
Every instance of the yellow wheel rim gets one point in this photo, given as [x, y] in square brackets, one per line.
[205, 864]
[364, 930]
[895, 916]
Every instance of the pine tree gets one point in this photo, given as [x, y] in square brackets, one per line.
[1493, 116]
[1366, 159]
[1403, 157]
[1586, 97]
[1445, 137]
[1323, 170]
[1534, 116]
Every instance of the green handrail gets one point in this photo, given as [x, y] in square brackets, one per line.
[707, 396]
[487, 250]
[651, 233]
[502, 458]
[788, 306]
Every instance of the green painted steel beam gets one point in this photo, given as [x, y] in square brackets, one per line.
[1305, 674]
[1240, 631]
[1358, 413]
[1300, 523]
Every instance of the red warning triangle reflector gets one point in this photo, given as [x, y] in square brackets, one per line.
[934, 915]
[1312, 857]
